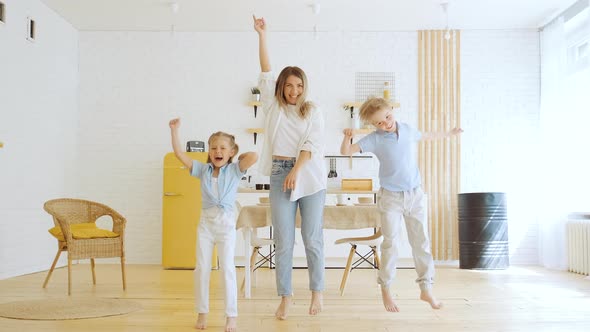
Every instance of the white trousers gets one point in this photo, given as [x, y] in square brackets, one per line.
[411, 206]
[216, 228]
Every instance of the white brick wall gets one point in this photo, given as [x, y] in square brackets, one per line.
[38, 125]
[500, 114]
[132, 83]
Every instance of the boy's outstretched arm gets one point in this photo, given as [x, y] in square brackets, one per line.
[180, 154]
[246, 160]
[260, 27]
[347, 148]
[428, 136]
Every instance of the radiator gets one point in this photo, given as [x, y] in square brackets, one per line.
[578, 237]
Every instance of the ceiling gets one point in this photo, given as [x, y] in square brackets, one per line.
[297, 15]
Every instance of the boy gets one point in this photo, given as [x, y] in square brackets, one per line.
[400, 196]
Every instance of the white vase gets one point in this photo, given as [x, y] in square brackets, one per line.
[355, 121]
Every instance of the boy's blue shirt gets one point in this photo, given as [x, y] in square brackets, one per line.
[398, 167]
[228, 180]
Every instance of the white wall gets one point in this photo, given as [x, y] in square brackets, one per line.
[38, 125]
[132, 83]
[500, 79]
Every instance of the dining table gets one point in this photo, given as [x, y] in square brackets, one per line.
[347, 217]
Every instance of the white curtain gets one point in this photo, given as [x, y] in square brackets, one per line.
[564, 164]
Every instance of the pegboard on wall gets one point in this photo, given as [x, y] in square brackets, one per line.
[372, 84]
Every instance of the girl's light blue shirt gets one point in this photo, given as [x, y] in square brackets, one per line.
[228, 181]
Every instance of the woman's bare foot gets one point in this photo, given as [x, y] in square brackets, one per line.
[201, 322]
[316, 303]
[388, 300]
[231, 324]
[283, 309]
[426, 296]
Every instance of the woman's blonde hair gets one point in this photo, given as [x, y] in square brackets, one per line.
[372, 105]
[232, 141]
[303, 107]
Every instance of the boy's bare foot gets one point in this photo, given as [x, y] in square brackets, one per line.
[316, 303]
[231, 324]
[283, 309]
[388, 300]
[201, 322]
[426, 296]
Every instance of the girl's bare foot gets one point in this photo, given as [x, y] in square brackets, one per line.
[201, 322]
[426, 296]
[388, 300]
[316, 303]
[283, 309]
[231, 324]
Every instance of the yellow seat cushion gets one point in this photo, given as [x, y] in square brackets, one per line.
[83, 231]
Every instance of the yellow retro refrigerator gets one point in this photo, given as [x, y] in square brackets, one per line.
[181, 211]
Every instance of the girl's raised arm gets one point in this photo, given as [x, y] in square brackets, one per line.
[183, 157]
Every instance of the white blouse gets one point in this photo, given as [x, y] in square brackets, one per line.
[312, 177]
[286, 142]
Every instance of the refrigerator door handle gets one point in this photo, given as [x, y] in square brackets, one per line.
[172, 194]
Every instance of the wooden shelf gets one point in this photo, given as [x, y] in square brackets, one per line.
[242, 190]
[255, 131]
[363, 131]
[347, 157]
[353, 104]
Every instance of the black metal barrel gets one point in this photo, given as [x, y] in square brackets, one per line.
[483, 231]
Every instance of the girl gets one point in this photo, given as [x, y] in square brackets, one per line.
[219, 184]
[293, 156]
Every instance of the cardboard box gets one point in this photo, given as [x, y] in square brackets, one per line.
[357, 184]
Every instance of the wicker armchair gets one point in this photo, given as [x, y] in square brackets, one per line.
[68, 211]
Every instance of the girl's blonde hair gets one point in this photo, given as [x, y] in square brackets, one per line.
[232, 141]
[372, 105]
[303, 107]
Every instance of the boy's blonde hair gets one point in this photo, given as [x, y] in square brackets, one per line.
[232, 141]
[373, 105]
[303, 107]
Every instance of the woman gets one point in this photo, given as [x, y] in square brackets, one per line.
[293, 156]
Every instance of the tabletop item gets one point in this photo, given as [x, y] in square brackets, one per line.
[195, 146]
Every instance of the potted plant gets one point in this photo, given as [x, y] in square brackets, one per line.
[255, 93]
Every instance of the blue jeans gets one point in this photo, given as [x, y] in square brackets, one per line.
[283, 213]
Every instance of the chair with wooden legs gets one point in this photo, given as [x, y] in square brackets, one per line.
[373, 242]
[75, 220]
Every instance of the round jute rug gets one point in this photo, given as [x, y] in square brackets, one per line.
[67, 308]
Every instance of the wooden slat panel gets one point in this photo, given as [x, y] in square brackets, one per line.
[439, 160]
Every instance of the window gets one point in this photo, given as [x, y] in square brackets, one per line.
[577, 37]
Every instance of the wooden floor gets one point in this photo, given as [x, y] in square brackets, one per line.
[517, 299]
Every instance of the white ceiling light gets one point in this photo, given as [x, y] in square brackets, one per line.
[315, 8]
[174, 8]
[445, 8]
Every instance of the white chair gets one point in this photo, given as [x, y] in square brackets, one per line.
[372, 241]
[257, 259]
